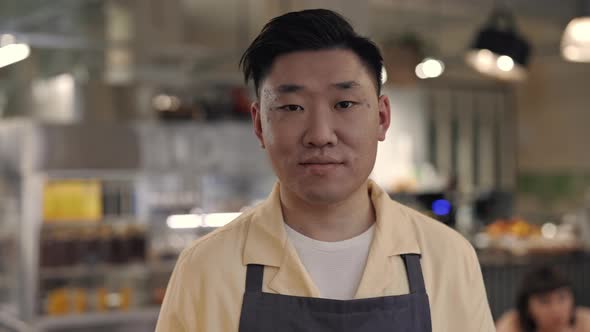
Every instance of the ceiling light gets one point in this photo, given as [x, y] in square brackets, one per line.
[420, 71]
[6, 39]
[182, 221]
[383, 75]
[505, 63]
[498, 50]
[166, 103]
[429, 68]
[575, 43]
[433, 68]
[13, 53]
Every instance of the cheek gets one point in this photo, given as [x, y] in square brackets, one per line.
[537, 311]
[568, 305]
[277, 130]
[266, 128]
[358, 126]
[269, 137]
[281, 137]
[361, 137]
[286, 131]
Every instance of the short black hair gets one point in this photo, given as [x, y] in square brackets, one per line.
[539, 280]
[312, 29]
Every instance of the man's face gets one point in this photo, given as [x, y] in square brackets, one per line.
[320, 119]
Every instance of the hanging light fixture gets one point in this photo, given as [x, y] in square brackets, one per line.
[575, 43]
[11, 51]
[498, 50]
[430, 68]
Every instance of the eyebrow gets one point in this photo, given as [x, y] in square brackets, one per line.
[292, 88]
[346, 85]
[289, 88]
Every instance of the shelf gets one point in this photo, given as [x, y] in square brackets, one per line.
[126, 219]
[13, 323]
[104, 269]
[97, 319]
[496, 260]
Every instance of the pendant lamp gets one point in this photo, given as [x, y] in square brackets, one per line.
[498, 50]
[575, 43]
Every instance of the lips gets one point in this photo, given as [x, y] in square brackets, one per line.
[321, 166]
[321, 161]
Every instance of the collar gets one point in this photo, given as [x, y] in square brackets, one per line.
[266, 241]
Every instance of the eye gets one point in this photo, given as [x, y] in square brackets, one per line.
[345, 104]
[562, 295]
[544, 299]
[291, 108]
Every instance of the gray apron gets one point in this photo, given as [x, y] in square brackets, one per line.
[266, 312]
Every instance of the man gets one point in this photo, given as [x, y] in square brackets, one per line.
[328, 250]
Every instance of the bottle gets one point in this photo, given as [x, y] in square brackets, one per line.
[137, 243]
[119, 253]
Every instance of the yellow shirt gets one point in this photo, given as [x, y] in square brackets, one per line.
[206, 288]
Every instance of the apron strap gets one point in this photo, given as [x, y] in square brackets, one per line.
[254, 275]
[414, 271]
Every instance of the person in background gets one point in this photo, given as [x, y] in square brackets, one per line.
[328, 250]
[545, 303]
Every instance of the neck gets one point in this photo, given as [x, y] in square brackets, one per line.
[329, 222]
[563, 329]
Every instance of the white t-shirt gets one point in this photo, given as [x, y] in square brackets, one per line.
[336, 268]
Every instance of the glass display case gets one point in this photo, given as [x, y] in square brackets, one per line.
[92, 221]
[11, 265]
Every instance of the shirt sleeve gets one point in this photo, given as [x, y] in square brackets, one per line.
[172, 318]
[480, 316]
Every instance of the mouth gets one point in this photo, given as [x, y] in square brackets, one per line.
[320, 167]
[321, 161]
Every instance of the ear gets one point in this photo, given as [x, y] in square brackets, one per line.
[256, 114]
[384, 116]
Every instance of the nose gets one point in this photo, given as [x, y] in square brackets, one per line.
[320, 131]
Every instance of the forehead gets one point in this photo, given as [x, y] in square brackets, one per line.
[317, 70]
[552, 293]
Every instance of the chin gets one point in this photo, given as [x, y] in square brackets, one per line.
[325, 194]
[322, 198]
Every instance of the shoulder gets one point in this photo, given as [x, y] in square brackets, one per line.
[508, 322]
[218, 249]
[207, 276]
[436, 238]
[451, 271]
[583, 318]
[583, 312]
[445, 254]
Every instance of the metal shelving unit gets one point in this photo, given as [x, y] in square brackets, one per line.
[9, 323]
[35, 168]
[162, 178]
[82, 271]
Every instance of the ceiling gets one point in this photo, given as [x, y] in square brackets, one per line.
[210, 33]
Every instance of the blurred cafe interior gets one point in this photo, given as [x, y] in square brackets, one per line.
[125, 135]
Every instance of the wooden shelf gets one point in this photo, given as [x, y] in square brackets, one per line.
[82, 271]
